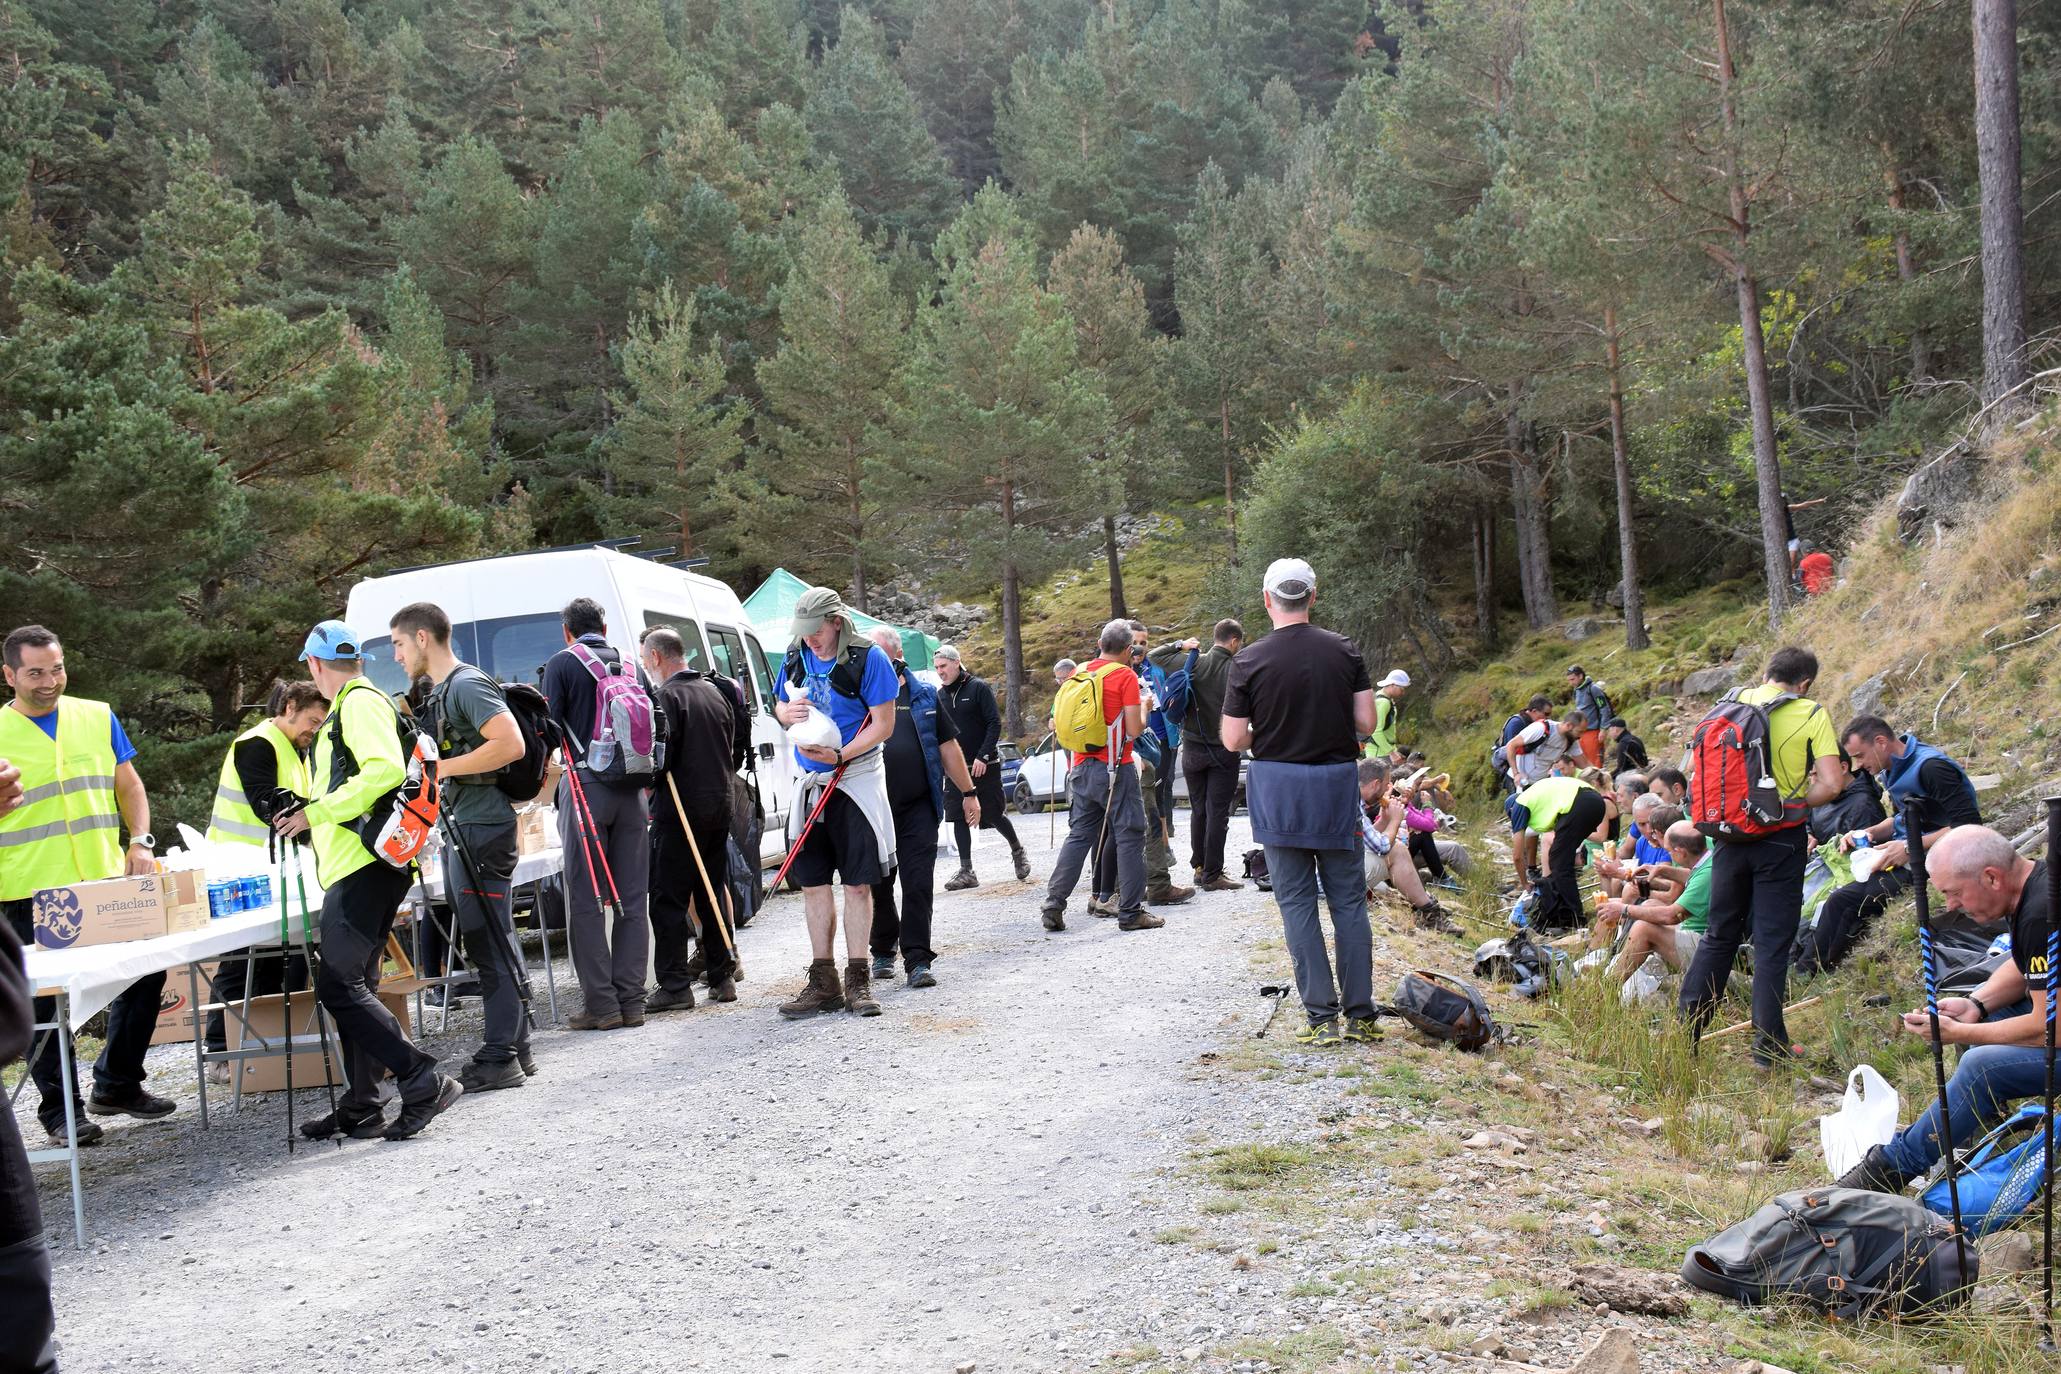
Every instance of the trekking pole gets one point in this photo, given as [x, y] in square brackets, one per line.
[330, 1063]
[802, 837]
[590, 841]
[1914, 833]
[504, 934]
[715, 905]
[2047, 1098]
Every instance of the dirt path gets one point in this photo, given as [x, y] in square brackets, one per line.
[978, 1176]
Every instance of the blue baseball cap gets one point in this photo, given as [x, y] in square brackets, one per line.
[331, 640]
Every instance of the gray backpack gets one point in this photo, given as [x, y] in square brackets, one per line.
[1844, 1251]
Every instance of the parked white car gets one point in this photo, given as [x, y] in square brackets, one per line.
[1041, 778]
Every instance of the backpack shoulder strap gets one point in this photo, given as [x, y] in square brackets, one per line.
[589, 660]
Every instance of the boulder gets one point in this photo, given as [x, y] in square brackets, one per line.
[1932, 494]
[1871, 697]
[1711, 682]
[1615, 1353]
[1616, 595]
[1584, 627]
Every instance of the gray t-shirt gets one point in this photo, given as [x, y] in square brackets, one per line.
[468, 699]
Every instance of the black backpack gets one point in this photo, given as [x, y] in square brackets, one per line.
[1445, 1009]
[1845, 1251]
[847, 676]
[1256, 869]
[523, 780]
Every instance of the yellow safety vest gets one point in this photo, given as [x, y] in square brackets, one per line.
[68, 827]
[233, 821]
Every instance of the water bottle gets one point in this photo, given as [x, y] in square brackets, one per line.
[601, 752]
[1863, 840]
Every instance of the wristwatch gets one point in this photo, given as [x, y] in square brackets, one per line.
[148, 841]
[1981, 1012]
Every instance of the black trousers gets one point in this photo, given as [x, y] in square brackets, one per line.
[24, 1263]
[1212, 773]
[1424, 849]
[357, 915]
[254, 975]
[483, 906]
[131, 1021]
[676, 888]
[1560, 896]
[1756, 889]
[1848, 912]
[915, 872]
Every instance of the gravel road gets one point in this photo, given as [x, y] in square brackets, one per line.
[974, 1178]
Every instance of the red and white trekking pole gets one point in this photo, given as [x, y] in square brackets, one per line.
[802, 838]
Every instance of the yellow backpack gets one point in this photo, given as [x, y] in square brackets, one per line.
[1078, 719]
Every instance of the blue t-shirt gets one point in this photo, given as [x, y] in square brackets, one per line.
[123, 750]
[1646, 852]
[877, 687]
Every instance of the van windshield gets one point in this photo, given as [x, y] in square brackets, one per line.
[513, 648]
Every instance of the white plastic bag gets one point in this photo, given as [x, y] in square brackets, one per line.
[816, 729]
[1644, 984]
[1866, 1119]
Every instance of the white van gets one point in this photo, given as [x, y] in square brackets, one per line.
[504, 618]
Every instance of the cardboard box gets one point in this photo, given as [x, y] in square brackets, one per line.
[175, 1009]
[536, 830]
[117, 909]
[269, 1074]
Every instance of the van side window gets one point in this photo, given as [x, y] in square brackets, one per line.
[759, 672]
[726, 649]
[690, 635]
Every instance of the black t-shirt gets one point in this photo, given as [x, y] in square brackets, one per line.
[1297, 686]
[908, 780]
[1944, 797]
[1631, 752]
[2029, 926]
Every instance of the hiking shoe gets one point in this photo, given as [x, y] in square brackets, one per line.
[1102, 906]
[1222, 883]
[883, 967]
[920, 976]
[725, 990]
[479, 1076]
[526, 1057]
[1875, 1174]
[858, 990]
[1432, 916]
[669, 999]
[1144, 920]
[961, 880]
[90, 1132]
[136, 1102]
[357, 1123]
[587, 1021]
[1360, 1030]
[413, 1116]
[821, 993]
[1323, 1035]
[633, 1013]
[697, 964]
[1170, 895]
[1054, 917]
[1022, 863]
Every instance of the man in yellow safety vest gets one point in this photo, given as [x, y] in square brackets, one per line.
[264, 773]
[79, 789]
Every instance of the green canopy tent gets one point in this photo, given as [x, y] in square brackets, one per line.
[771, 608]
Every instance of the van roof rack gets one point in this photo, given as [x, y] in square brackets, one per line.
[622, 544]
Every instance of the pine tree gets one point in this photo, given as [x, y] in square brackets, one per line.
[834, 387]
[861, 115]
[1219, 284]
[957, 57]
[668, 459]
[469, 237]
[756, 55]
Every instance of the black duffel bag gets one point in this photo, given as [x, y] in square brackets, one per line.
[1845, 1251]
[1444, 1009]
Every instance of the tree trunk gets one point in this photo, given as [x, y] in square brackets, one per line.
[1635, 636]
[1230, 469]
[1484, 528]
[1907, 272]
[1530, 516]
[1117, 609]
[1012, 621]
[1760, 405]
[2003, 213]
[858, 518]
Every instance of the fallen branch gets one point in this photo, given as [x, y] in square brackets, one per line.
[2027, 640]
[1747, 1024]
[1943, 699]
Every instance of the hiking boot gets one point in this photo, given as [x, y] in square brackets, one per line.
[526, 1057]
[90, 1132]
[858, 989]
[920, 976]
[821, 993]
[1022, 861]
[356, 1122]
[587, 1021]
[961, 880]
[135, 1102]
[1432, 916]
[1102, 906]
[697, 964]
[633, 1013]
[1323, 1035]
[1170, 895]
[1221, 883]
[1875, 1174]
[1360, 1030]
[725, 990]
[1144, 920]
[413, 1116]
[1054, 917]
[883, 967]
[669, 999]
[479, 1076]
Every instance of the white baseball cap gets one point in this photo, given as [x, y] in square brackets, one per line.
[1396, 678]
[1290, 577]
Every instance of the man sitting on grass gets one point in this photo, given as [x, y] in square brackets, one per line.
[1382, 833]
[1668, 908]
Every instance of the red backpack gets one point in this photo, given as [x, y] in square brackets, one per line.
[1733, 794]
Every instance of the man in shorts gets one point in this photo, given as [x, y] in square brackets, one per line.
[1668, 905]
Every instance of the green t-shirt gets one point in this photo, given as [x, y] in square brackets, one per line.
[466, 701]
[1799, 733]
[1695, 898]
[1548, 799]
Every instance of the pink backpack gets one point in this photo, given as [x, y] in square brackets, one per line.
[625, 745]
